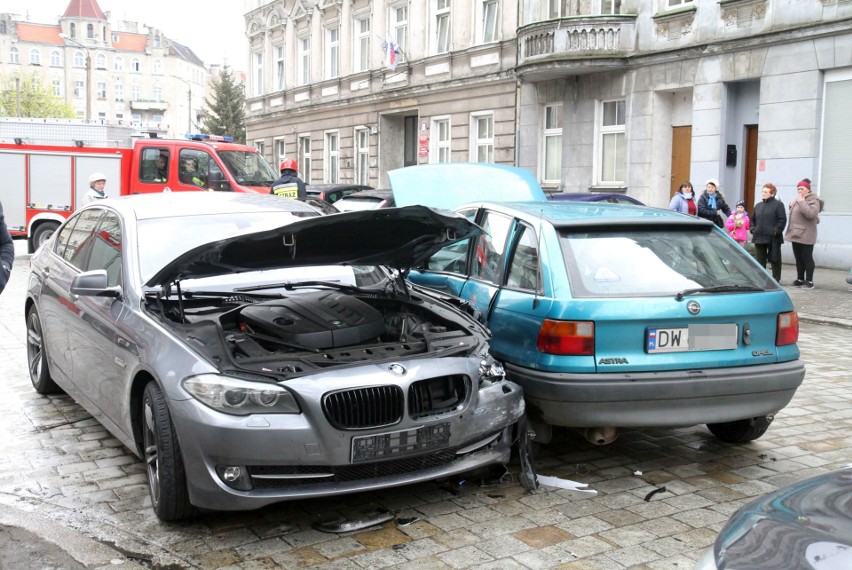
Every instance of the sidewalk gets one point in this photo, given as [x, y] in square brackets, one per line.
[829, 302]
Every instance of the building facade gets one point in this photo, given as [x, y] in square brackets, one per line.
[110, 72]
[630, 96]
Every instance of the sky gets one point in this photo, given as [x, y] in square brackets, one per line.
[213, 29]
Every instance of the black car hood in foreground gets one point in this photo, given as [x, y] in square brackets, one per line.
[396, 237]
[805, 525]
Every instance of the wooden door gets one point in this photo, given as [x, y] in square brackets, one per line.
[750, 164]
[681, 156]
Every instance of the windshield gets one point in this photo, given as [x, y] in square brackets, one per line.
[248, 168]
[656, 261]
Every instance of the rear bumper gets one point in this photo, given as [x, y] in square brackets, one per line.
[658, 399]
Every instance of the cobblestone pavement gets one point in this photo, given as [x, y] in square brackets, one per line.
[59, 465]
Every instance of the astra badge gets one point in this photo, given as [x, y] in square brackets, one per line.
[693, 307]
[397, 369]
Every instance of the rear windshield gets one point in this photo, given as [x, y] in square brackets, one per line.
[656, 261]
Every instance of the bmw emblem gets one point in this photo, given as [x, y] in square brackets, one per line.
[397, 369]
[693, 307]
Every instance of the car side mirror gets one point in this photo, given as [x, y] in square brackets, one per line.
[94, 284]
[218, 182]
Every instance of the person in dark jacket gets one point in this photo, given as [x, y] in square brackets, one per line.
[289, 185]
[767, 229]
[7, 251]
[712, 202]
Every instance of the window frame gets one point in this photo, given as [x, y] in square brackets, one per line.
[548, 133]
[303, 61]
[399, 26]
[439, 145]
[361, 44]
[604, 133]
[55, 59]
[257, 73]
[442, 22]
[79, 60]
[331, 67]
[304, 157]
[331, 157]
[279, 147]
[361, 144]
[476, 142]
[35, 56]
[482, 24]
[278, 67]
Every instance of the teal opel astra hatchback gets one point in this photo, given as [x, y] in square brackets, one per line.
[613, 316]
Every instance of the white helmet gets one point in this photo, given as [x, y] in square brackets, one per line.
[95, 176]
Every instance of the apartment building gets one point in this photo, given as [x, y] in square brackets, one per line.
[630, 96]
[110, 71]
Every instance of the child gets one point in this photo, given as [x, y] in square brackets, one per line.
[738, 224]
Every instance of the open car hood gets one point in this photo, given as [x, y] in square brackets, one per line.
[453, 184]
[396, 237]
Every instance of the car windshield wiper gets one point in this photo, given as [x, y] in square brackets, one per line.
[290, 286]
[719, 289]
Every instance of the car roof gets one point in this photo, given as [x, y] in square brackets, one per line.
[317, 188]
[171, 204]
[565, 213]
[594, 197]
[382, 194]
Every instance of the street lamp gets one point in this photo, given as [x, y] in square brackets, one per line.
[88, 74]
[188, 103]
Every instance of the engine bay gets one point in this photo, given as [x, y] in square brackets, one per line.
[320, 328]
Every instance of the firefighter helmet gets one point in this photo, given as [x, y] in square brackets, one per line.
[288, 164]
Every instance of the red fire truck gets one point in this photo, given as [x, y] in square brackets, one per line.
[43, 184]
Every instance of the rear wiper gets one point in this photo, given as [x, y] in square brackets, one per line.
[719, 289]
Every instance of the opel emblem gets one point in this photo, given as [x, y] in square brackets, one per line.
[397, 369]
[693, 307]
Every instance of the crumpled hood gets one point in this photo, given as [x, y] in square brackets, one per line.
[396, 237]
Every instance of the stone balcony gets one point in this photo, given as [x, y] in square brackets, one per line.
[575, 45]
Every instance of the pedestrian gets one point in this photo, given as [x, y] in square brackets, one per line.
[97, 183]
[711, 204]
[289, 185]
[738, 224]
[767, 229]
[802, 232]
[7, 251]
[684, 199]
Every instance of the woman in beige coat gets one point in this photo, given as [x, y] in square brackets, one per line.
[802, 232]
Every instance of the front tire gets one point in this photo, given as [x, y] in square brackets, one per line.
[163, 460]
[37, 356]
[741, 431]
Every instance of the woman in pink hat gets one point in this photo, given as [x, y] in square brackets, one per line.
[802, 232]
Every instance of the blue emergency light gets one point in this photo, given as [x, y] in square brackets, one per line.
[211, 138]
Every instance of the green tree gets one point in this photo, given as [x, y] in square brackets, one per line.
[25, 92]
[226, 108]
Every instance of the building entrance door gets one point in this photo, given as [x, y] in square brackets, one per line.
[750, 163]
[681, 156]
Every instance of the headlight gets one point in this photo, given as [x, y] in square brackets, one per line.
[490, 370]
[240, 397]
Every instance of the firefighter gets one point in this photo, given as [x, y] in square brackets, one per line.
[289, 185]
[189, 172]
[97, 182]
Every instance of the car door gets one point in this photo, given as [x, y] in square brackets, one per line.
[59, 311]
[487, 260]
[96, 370]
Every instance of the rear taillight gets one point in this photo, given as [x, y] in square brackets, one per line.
[788, 329]
[567, 338]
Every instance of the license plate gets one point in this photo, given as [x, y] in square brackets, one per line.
[693, 337]
[399, 443]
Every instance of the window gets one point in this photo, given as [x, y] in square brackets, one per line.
[442, 26]
[524, 272]
[157, 118]
[257, 72]
[304, 61]
[90, 31]
[136, 118]
[278, 71]
[399, 28]
[100, 61]
[552, 144]
[609, 6]
[490, 247]
[305, 158]
[158, 93]
[675, 3]
[13, 55]
[280, 151]
[482, 138]
[101, 90]
[35, 57]
[487, 19]
[135, 93]
[79, 88]
[158, 66]
[440, 140]
[361, 58]
[55, 59]
[79, 59]
[362, 156]
[135, 65]
[118, 89]
[118, 63]
[612, 141]
[72, 30]
[835, 167]
[74, 242]
[57, 88]
[332, 49]
[331, 170]
[106, 249]
[554, 9]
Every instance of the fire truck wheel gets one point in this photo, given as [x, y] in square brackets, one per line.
[42, 234]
